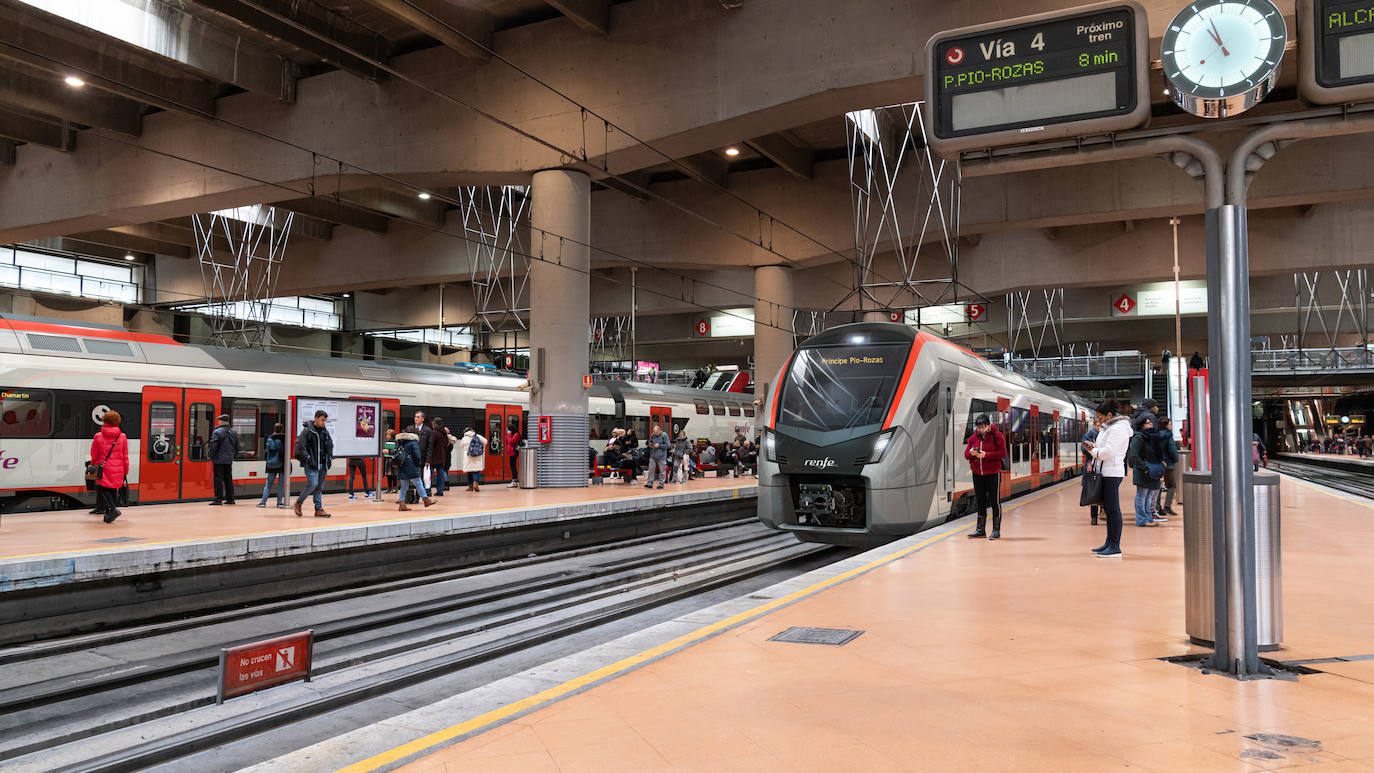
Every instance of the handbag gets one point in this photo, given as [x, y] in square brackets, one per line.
[93, 469]
[1092, 488]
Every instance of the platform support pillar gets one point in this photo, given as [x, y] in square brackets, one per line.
[560, 306]
[774, 339]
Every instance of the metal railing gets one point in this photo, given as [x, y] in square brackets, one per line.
[1339, 358]
[1101, 366]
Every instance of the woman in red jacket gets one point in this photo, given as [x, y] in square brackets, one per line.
[985, 450]
[110, 448]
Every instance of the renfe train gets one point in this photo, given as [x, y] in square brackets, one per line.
[866, 429]
[58, 378]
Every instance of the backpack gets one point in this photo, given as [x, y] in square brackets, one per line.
[273, 452]
[475, 446]
[398, 457]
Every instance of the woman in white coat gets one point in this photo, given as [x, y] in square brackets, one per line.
[473, 464]
[1109, 450]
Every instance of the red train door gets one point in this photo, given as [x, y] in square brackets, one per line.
[176, 433]
[1004, 424]
[661, 416]
[499, 417]
[1036, 445]
[1055, 440]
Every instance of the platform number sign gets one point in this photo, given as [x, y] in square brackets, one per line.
[894, 316]
[975, 311]
[703, 328]
[1124, 304]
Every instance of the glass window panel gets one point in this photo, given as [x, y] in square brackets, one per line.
[198, 429]
[45, 262]
[160, 439]
[9, 275]
[105, 271]
[25, 413]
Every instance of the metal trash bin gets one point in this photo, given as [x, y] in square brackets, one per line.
[1200, 603]
[529, 462]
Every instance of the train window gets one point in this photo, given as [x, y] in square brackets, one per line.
[253, 420]
[388, 422]
[161, 437]
[1018, 435]
[702, 408]
[929, 404]
[749, 410]
[718, 407]
[25, 413]
[977, 408]
[200, 423]
[735, 410]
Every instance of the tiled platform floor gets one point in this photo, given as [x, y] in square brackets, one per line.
[1023, 654]
[25, 535]
[1335, 457]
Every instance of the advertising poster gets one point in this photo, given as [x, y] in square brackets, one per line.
[367, 421]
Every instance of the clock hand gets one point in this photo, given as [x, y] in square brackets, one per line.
[1217, 37]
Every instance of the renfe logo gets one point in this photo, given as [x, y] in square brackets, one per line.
[819, 463]
[8, 462]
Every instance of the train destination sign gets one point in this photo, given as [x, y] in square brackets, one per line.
[1062, 74]
[1336, 50]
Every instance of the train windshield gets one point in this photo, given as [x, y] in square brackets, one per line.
[841, 387]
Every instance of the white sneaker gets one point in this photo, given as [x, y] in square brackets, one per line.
[352, 496]
[512, 484]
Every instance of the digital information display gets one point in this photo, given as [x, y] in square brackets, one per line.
[1336, 50]
[1063, 74]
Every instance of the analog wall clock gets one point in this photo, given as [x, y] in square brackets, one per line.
[1221, 57]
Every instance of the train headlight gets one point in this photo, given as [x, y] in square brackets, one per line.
[770, 446]
[880, 445]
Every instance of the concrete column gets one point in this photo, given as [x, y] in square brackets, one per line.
[560, 306]
[773, 341]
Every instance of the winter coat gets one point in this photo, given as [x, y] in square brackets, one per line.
[472, 463]
[224, 445]
[993, 444]
[659, 445]
[438, 448]
[1145, 448]
[422, 434]
[411, 463]
[512, 443]
[681, 446]
[276, 450]
[1170, 450]
[314, 447]
[117, 466]
[1113, 441]
[709, 455]
[630, 441]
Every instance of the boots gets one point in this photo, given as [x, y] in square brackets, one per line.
[402, 506]
[322, 514]
[996, 526]
[472, 486]
[476, 487]
[980, 531]
[428, 501]
[297, 508]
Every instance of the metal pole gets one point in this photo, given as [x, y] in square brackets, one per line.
[1178, 318]
[634, 314]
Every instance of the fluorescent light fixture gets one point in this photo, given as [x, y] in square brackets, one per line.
[732, 151]
[348, 295]
[424, 195]
[73, 81]
[129, 256]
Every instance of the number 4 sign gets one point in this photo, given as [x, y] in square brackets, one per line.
[1123, 305]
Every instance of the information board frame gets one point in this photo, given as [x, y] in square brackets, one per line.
[303, 407]
[1135, 115]
[1313, 83]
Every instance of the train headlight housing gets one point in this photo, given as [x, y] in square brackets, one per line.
[881, 444]
[770, 446]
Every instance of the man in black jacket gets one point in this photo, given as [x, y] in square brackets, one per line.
[222, 448]
[315, 451]
[422, 429]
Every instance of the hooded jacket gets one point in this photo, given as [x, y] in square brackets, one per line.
[993, 444]
[472, 463]
[658, 446]
[1145, 448]
[411, 464]
[111, 441]
[1113, 441]
[314, 447]
[276, 448]
[438, 448]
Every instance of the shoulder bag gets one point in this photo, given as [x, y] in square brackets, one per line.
[1092, 486]
[93, 469]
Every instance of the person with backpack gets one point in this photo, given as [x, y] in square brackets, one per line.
[110, 452]
[1171, 458]
[474, 448]
[223, 447]
[682, 461]
[439, 440]
[1109, 451]
[275, 456]
[658, 457]
[513, 441]
[409, 467]
[984, 451]
[315, 451]
[1146, 457]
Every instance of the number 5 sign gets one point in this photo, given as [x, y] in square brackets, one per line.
[975, 311]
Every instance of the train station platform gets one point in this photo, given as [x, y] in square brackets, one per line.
[1344, 459]
[1028, 653]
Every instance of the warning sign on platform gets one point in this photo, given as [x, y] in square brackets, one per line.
[251, 667]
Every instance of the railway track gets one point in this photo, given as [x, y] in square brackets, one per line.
[1349, 481]
[72, 704]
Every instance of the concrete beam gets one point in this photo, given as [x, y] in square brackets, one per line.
[311, 27]
[794, 160]
[330, 211]
[136, 240]
[465, 30]
[401, 205]
[64, 48]
[593, 16]
[51, 97]
[301, 225]
[7, 152]
[51, 133]
[707, 167]
[635, 184]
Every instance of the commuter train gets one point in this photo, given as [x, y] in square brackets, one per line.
[58, 378]
[866, 427]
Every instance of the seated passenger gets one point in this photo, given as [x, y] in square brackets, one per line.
[616, 459]
[746, 459]
[708, 455]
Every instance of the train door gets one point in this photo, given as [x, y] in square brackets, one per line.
[1035, 444]
[663, 417]
[1055, 440]
[176, 433]
[955, 442]
[498, 461]
[1004, 424]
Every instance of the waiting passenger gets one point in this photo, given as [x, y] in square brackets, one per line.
[630, 441]
[1261, 455]
[513, 443]
[708, 454]
[985, 450]
[390, 463]
[474, 457]
[411, 467]
[315, 452]
[1166, 434]
[617, 459]
[747, 460]
[682, 460]
[224, 446]
[275, 456]
[110, 450]
[439, 440]
[1089, 438]
[1146, 457]
[659, 443]
[1113, 441]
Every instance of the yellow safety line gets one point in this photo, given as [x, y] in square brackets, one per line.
[572, 685]
[1344, 497]
[735, 495]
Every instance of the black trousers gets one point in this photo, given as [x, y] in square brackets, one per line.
[515, 466]
[360, 467]
[107, 498]
[224, 483]
[987, 491]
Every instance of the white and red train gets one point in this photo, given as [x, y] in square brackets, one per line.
[57, 379]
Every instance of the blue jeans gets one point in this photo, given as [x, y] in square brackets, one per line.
[314, 485]
[273, 476]
[474, 477]
[419, 485]
[1145, 504]
[439, 478]
[1111, 507]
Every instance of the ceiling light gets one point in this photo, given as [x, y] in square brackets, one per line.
[348, 295]
[73, 81]
[732, 151]
[129, 256]
[424, 195]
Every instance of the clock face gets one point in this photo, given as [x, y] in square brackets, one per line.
[1218, 49]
